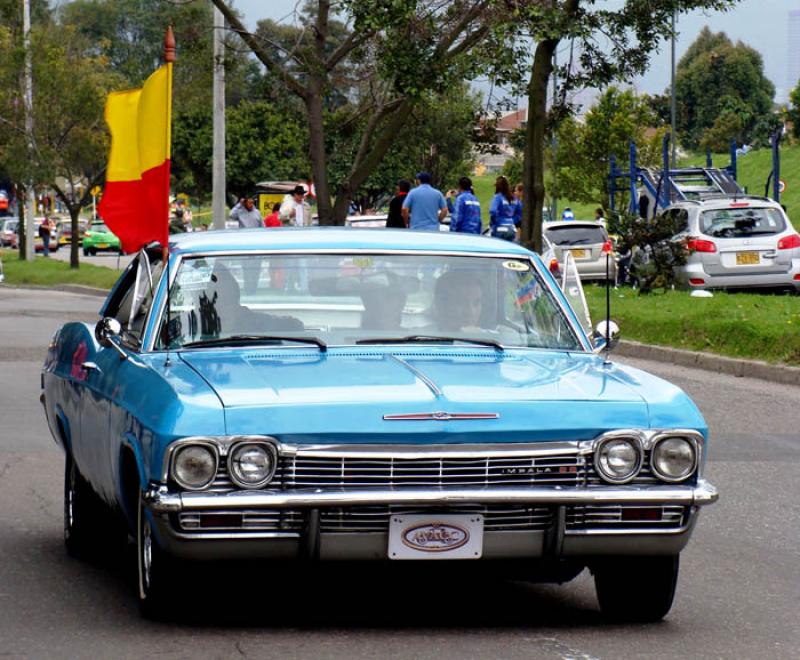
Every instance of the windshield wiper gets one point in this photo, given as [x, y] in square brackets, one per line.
[431, 339]
[239, 340]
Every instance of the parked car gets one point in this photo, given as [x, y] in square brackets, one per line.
[340, 394]
[742, 242]
[98, 238]
[586, 240]
[65, 236]
[8, 231]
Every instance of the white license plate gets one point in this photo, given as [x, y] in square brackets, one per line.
[580, 254]
[432, 536]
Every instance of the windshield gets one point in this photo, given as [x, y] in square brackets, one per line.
[576, 235]
[741, 223]
[346, 299]
[100, 229]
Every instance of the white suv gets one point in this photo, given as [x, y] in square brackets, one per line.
[741, 242]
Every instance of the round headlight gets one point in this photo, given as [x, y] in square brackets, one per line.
[674, 459]
[618, 459]
[194, 466]
[252, 465]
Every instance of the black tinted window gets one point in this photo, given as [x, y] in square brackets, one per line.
[576, 235]
[741, 222]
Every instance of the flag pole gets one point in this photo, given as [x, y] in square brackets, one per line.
[169, 58]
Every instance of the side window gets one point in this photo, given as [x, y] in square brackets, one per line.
[135, 297]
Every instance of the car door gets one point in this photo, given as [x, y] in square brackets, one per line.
[111, 382]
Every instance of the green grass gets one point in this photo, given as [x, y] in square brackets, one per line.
[754, 168]
[51, 272]
[744, 325]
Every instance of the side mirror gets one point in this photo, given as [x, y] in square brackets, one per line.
[599, 336]
[107, 332]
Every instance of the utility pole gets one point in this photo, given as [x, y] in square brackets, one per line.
[673, 105]
[30, 207]
[218, 164]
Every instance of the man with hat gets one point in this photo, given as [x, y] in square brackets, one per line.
[424, 207]
[294, 210]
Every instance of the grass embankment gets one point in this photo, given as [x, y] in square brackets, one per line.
[744, 325]
[52, 272]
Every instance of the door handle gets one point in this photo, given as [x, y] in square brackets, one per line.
[91, 366]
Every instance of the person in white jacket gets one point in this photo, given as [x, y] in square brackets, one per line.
[295, 211]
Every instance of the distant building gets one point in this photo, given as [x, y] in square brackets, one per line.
[793, 50]
[507, 125]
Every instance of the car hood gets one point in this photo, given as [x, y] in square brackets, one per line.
[343, 395]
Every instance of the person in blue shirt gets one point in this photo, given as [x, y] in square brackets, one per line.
[567, 214]
[424, 207]
[466, 212]
[505, 213]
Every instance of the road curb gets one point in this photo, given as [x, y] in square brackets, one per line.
[64, 288]
[776, 373]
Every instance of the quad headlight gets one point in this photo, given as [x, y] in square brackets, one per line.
[674, 458]
[618, 460]
[252, 465]
[194, 466]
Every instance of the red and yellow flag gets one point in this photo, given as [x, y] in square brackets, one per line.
[135, 203]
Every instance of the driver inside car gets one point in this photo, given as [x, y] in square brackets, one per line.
[221, 311]
[458, 302]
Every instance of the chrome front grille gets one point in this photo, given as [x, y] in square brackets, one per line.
[309, 471]
[375, 519]
[260, 520]
[625, 517]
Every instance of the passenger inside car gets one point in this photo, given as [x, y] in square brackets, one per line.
[458, 302]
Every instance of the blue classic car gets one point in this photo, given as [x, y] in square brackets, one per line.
[344, 394]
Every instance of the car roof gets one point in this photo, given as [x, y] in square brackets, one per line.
[725, 202]
[338, 238]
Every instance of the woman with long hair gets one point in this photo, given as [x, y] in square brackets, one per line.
[505, 213]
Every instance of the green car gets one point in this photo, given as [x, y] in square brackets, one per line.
[98, 238]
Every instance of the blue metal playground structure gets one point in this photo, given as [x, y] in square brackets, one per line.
[666, 186]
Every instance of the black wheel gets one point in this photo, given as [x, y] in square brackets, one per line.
[85, 252]
[93, 252]
[83, 514]
[636, 589]
[154, 568]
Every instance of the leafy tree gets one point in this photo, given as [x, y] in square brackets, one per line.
[794, 110]
[69, 142]
[606, 45]
[263, 143]
[584, 148]
[401, 50]
[721, 86]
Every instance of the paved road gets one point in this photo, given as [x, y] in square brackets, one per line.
[738, 597]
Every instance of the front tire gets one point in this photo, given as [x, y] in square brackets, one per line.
[636, 589]
[85, 252]
[83, 514]
[154, 568]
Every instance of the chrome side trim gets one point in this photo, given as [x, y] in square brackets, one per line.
[159, 500]
[439, 416]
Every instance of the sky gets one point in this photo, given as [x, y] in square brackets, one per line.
[762, 24]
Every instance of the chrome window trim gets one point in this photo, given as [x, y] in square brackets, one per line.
[579, 334]
[273, 450]
[696, 445]
[189, 442]
[616, 435]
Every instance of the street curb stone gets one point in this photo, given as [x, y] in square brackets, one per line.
[64, 288]
[776, 373]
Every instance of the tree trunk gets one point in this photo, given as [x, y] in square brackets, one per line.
[533, 173]
[21, 233]
[318, 157]
[74, 215]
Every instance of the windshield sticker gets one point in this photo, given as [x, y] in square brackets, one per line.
[528, 292]
[520, 266]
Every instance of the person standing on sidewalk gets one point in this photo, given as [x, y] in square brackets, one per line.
[44, 234]
[247, 215]
[295, 211]
[424, 207]
[273, 219]
[467, 209]
[395, 218]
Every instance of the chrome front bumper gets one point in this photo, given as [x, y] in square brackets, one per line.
[161, 501]
[556, 541]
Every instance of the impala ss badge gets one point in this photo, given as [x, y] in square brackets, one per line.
[435, 537]
[439, 416]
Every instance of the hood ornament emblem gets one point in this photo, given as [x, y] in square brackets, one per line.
[439, 416]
